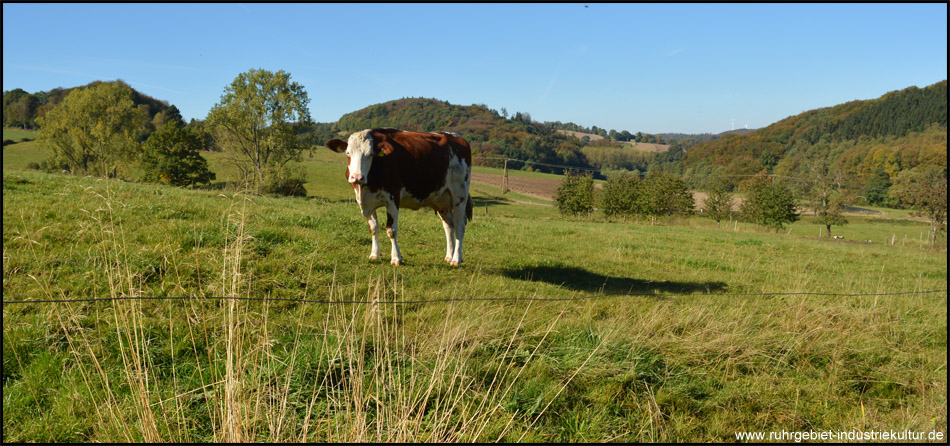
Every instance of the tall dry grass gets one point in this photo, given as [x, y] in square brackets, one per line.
[374, 380]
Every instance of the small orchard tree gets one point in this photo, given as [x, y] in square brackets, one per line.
[619, 195]
[575, 195]
[171, 157]
[827, 196]
[663, 194]
[925, 190]
[718, 205]
[260, 123]
[93, 130]
[769, 204]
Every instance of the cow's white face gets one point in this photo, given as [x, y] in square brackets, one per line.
[360, 152]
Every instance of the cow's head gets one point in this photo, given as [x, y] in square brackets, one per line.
[360, 150]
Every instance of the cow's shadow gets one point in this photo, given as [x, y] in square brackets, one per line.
[579, 279]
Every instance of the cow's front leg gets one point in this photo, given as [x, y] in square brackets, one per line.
[374, 231]
[392, 221]
[448, 225]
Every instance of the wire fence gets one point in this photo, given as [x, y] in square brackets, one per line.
[473, 299]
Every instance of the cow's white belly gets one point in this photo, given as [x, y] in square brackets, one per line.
[370, 200]
[440, 200]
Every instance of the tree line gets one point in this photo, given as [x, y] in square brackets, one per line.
[261, 124]
[768, 203]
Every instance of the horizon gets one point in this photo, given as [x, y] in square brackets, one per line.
[636, 67]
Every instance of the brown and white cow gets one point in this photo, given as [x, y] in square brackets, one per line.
[400, 169]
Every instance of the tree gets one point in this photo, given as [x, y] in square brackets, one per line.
[19, 109]
[171, 157]
[875, 190]
[259, 123]
[93, 130]
[827, 196]
[619, 196]
[769, 204]
[718, 205]
[924, 189]
[575, 195]
[663, 194]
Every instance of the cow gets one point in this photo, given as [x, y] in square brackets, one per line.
[403, 169]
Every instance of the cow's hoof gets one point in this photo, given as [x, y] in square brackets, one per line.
[454, 263]
[448, 259]
[395, 262]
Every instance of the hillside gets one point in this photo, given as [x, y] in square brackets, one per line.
[20, 108]
[899, 131]
[489, 133]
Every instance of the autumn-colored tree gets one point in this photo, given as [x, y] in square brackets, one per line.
[925, 190]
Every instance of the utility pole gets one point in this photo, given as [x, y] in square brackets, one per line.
[504, 187]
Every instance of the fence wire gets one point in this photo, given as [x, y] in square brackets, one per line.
[467, 299]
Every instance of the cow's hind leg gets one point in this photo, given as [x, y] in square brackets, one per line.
[373, 224]
[449, 224]
[458, 220]
[392, 220]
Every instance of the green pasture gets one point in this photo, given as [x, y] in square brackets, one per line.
[553, 330]
[17, 134]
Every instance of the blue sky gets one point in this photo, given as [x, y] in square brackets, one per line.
[686, 68]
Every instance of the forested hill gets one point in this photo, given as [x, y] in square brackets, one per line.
[898, 131]
[20, 108]
[489, 132]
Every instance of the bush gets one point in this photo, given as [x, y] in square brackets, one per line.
[663, 194]
[575, 195]
[286, 181]
[171, 157]
[619, 196]
[718, 205]
[33, 165]
[769, 204]
[7, 142]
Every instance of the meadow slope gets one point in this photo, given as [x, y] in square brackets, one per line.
[553, 330]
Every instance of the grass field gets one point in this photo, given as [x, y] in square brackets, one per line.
[659, 334]
[17, 134]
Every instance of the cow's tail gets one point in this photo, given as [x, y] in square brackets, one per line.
[468, 209]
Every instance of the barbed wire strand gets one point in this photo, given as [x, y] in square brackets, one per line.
[464, 299]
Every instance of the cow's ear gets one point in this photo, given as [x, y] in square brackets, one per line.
[336, 145]
[383, 146]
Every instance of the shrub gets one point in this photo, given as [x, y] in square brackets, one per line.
[619, 196]
[769, 204]
[286, 181]
[575, 195]
[171, 157]
[663, 194]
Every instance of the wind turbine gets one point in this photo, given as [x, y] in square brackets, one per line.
[747, 125]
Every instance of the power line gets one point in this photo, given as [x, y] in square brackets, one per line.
[463, 299]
